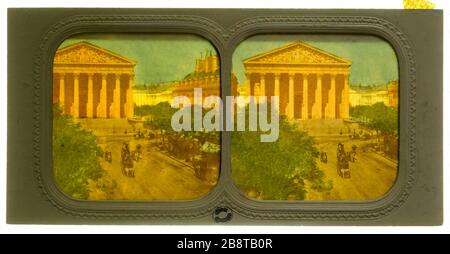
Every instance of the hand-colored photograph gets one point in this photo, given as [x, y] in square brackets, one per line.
[112, 134]
[338, 117]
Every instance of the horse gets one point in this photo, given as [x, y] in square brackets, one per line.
[127, 161]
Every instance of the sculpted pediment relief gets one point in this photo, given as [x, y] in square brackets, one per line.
[297, 53]
[86, 53]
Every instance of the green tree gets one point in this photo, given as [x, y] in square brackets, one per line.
[380, 118]
[76, 156]
[161, 116]
[276, 170]
[384, 119]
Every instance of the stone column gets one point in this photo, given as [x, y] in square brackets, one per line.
[76, 96]
[102, 107]
[331, 107]
[116, 98]
[344, 112]
[248, 84]
[317, 108]
[62, 91]
[90, 97]
[130, 104]
[276, 88]
[276, 91]
[262, 91]
[305, 103]
[291, 104]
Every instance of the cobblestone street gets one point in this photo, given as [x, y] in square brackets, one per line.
[372, 174]
[157, 176]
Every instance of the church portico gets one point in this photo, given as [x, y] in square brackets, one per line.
[90, 82]
[310, 83]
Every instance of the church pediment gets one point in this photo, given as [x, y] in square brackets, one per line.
[297, 53]
[86, 53]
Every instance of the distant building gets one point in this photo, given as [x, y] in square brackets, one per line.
[393, 93]
[366, 96]
[143, 97]
[206, 76]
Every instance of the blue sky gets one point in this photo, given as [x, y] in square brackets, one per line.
[159, 57]
[373, 59]
[164, 57]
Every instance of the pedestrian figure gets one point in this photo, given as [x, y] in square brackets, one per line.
[340, 150]
[108, 156]
[353, 153]
[324, 157]
[343, 168]
[137, 154]
[127, 162]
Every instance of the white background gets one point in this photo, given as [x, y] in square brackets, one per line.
[330, 4]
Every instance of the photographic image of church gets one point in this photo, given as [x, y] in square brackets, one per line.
[311, 83]
[340, 91]
[112, 138]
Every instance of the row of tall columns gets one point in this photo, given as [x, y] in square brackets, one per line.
[317, 110]
[102, 108]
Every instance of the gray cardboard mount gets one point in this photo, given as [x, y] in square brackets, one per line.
[34, 35]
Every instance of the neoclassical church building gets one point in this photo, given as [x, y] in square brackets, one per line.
[310, 83]
[92, 82]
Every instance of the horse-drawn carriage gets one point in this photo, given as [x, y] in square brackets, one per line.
[206, 164]
[343, 162]
[127, 161]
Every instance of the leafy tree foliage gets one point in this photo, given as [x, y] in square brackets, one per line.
[276, 170]
[75, 156]
[383, 120]
[161, 117]
[378, 117]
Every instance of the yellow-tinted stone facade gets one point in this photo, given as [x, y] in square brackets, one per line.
[310, 83]
[92, 82]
